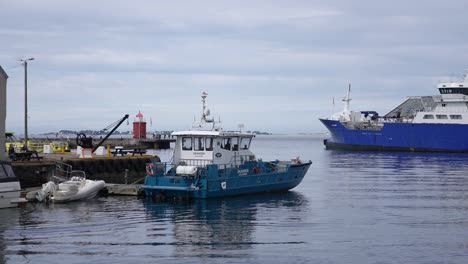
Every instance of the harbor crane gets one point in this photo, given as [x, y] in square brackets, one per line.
[87, 142]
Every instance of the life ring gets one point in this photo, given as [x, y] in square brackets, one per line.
[150, 169]
[256, 170]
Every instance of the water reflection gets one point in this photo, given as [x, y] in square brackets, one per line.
[225, 227]
[8, 218]
[398, 161]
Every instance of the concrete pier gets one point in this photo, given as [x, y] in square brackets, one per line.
[114, 170]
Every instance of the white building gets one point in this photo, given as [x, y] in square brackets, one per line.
[3, 82]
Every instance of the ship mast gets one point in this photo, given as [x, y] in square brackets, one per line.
[346, 99]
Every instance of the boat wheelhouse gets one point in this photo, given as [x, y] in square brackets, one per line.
[209, 162]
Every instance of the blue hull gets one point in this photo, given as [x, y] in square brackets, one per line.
[232, 182]
[399, 137]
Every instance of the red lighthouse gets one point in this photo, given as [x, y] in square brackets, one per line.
[139, 126]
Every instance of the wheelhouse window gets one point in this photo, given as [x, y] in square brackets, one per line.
[428, 117]
[245, 143]
[209, 144]
[226, 143]
[186, 143]
[235, 143]
[455, 117]
[441, 116]
[199, 143]
[461, 90]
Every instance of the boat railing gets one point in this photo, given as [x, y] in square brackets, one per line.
[237, 160]
[63, 172]
[224, 170]
[195, 162]
[280, 166]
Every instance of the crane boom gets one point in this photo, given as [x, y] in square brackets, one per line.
[110, 133]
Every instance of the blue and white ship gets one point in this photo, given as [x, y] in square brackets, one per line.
[209, 162]
[436, 123]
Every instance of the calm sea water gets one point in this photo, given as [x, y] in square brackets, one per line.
[352, 207]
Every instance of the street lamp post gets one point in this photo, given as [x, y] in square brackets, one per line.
[26, 100]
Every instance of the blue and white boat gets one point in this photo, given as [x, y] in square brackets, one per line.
[209, 162]
[436, 123]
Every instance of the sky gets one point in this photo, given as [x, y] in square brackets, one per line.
[274, 66]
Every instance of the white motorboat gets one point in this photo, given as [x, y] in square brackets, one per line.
[73, 186]
[10, 188]
[77, 188]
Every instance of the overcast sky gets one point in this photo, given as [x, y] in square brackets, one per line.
[272, 65]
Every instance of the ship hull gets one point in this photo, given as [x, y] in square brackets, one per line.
[416, 137]
[232, 184]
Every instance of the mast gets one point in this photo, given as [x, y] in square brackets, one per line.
[346, 99]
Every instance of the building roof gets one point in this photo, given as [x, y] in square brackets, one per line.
[139, 114]
[2, 72]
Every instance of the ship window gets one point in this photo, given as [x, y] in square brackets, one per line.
[186, 143]
[198, 143]
[428, 117]
[209, 143]
[441, 116]
[455, 117]
[235, 143]
[245, 143]
[226, 143]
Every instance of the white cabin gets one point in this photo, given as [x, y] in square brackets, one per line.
[206, 143]
[199, 148]
[451, 107]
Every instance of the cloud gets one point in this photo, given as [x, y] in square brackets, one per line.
[262, 62]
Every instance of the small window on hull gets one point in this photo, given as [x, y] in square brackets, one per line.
[428, 117]
[455, 117]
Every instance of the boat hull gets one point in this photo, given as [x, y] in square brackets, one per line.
[416, 137]
[10, 188]
[234, 184]
[9, 194]
[88, 190]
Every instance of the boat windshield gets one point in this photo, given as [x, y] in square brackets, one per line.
[199, 144]
[453, 91]
[245, 142]
[186, 143]
[226, 143]
[209, 143]
[6, 173]
[235, 143]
